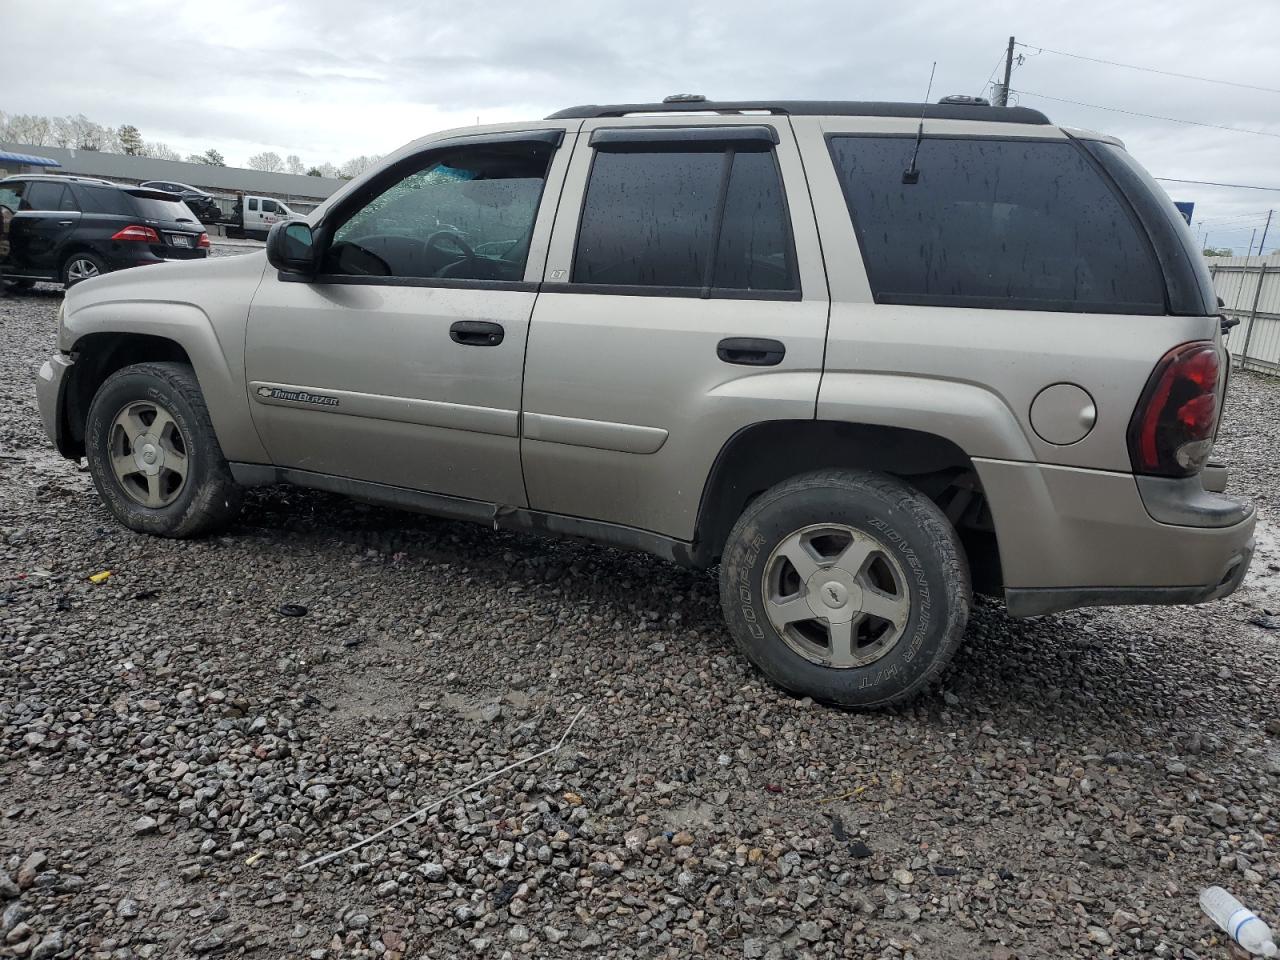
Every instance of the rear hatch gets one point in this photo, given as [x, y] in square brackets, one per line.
[179, 229]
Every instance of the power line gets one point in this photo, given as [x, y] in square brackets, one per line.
[1150, 116]
[1214, 183]
[1166, 73]
[991, 76]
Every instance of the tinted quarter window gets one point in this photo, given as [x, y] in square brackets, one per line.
[669, 218]
[465, 214]
[105, 200]
[44, 195]
[995, 223]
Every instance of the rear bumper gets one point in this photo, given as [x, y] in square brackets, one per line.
[51, 387]
[1070, 537]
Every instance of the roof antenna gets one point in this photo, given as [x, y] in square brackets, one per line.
[912, 174]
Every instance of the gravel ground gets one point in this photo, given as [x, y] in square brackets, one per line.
[172, 748]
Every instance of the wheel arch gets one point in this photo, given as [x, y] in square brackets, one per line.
[98, 356]
[77, 247]
[108, 334]
[764, 454]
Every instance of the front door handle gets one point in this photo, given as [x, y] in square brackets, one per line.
[477, 333]
[65, 223]
[751, 351]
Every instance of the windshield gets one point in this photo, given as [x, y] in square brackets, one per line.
[173, 210]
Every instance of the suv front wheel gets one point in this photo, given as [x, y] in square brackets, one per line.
[850, 587]
[154, 456]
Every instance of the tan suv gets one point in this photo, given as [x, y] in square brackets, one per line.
[867, 357]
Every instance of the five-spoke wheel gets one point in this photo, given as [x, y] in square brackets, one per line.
[836, 595]
[154, 456]
[847, 586]
[148, 453]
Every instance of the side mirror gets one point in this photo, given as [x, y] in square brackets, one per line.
[291, 249]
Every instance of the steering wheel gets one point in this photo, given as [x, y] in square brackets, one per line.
[459, 245]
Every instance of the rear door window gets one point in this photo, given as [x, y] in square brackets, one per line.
[709, 219]
[1012, 224]
[44, 195]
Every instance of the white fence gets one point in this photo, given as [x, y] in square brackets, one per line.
[1250, 292]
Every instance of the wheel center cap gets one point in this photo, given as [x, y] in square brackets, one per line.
[148, 454]
[834, 594]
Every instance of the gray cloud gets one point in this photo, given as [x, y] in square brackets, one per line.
[329, 79]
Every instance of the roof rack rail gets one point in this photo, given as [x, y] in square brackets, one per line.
[811, 108]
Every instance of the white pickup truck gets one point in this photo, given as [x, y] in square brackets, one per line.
[254, 216]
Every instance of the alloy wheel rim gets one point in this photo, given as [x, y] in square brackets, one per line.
[836, 595]
[149, 454]
[81, 269]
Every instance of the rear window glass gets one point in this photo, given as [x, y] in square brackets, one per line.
[995, 223]
[151, 209]
[105, 200]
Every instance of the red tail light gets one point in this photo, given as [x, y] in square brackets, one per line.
[203, 241]
[1171, 433]
[137, 232]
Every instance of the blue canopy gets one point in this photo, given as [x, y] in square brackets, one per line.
[27, 160]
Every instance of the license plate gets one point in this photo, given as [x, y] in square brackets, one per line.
[180, 240]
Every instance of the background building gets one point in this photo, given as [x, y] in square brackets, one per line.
[301, 193]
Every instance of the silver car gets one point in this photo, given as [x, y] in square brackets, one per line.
[866, 357]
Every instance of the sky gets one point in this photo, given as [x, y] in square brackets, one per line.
[331, 80]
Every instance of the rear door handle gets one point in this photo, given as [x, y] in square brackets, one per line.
[751, 351]
[477, 333]
[65, 223]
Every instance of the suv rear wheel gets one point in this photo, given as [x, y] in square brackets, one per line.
[154, 456]
[82, 266]
[847, 586]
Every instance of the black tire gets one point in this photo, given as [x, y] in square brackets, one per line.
[68, 280]
[914, 537]
[208, 499]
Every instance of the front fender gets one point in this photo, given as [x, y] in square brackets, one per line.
[162, 302]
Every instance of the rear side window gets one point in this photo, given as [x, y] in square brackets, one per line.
[697, 219]
[1009, 224]
[105, 200]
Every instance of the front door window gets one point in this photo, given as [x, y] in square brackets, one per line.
[464, 214]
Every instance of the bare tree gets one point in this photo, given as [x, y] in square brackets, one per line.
[27, 128]
[293, 164]
[268, 162]
[327, 170]
[356, 166]
[160, 151]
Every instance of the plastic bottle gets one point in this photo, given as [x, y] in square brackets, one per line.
[1239, 922]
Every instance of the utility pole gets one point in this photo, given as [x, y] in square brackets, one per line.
[1252, 237]
[1002, 97]
[1265, 228]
